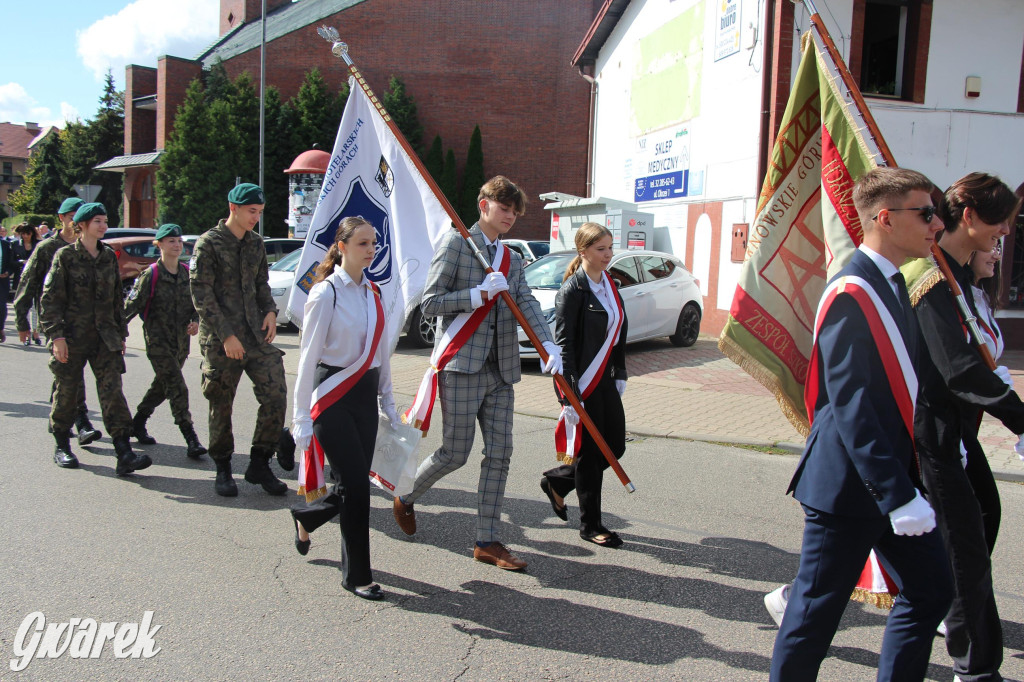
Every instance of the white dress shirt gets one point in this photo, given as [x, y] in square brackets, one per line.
[885, 265]
[996, 345]
[335, 334]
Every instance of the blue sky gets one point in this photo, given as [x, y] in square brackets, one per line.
[57, 51]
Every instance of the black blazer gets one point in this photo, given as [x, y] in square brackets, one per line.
[580, 325]
[10, 266]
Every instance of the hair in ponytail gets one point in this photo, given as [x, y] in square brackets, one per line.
[346, 229]
[588, 235]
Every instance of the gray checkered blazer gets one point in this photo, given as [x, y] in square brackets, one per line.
[453, 272]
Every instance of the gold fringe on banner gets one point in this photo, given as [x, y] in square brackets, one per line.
[882, 600]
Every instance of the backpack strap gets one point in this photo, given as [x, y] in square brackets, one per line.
[152, 290]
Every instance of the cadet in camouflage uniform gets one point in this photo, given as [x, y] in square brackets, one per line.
[30, 289]
[169, 319]
[237, 323]
[83, 316]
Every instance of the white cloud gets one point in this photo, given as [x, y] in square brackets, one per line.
[145, 30]
[17, 106]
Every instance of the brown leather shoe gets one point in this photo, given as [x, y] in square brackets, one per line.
[405, 515]
[495, 553]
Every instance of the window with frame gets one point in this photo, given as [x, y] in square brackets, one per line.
[8, 175]
[889, 47]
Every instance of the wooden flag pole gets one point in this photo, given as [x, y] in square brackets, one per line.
[340, 49]
[862, 108]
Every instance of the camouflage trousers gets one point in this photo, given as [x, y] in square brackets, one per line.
[265, 368]
[107, 367]
[168, 384]
[83, 409]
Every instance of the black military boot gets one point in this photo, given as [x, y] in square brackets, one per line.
[62, 455]
[86, 433]
[259, 472]
[286, 450]
[195, 448]
[225, 485]
[127, 460]
[139, 429]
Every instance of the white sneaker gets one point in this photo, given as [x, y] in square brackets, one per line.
[942, 631]
[776, 602]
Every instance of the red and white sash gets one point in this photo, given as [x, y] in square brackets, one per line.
[311, 460]
[454, 338]
[874, 586]
[899, 369]
[567, 436]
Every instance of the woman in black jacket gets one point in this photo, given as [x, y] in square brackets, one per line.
[590, 327]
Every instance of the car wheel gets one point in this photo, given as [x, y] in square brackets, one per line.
[688, 326]
[422, 329]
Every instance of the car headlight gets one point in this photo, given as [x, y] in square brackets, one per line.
[278, 292]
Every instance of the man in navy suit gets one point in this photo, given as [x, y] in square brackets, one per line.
[858, 478]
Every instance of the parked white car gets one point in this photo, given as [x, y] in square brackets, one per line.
[281, 277]
[530, 250]
[660, 295]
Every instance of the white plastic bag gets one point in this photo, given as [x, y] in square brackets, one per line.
[394, 458]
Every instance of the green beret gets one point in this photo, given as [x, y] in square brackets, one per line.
[168, 230]
[87, 212]
[70, 205]
[247, 193]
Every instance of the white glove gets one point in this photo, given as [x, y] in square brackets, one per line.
[494, 283]
[963, 455]
[1019, 447]
[554, 364]
[386, 403]
[569, 415]
[302, 432]
[620, 386]
[1003, 372]
[914, 518]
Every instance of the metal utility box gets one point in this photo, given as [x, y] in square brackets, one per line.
[630, 228]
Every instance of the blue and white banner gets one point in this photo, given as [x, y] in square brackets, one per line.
[370, 175]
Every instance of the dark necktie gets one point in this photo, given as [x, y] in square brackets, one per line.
[909, 318]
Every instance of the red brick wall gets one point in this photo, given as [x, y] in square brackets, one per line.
[243, 11]
[139, 124]
[173, 76]
[782, 66]
[466, 63]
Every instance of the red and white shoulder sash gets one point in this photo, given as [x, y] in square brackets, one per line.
[454, 338]
[892, 349]
[311, 461]
[567, 436]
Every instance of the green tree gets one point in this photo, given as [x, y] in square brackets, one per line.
[448, 180]
[193, 179]
[402, 108]
[279, 151]
[44, 188]
[217, 82]
[317, 112]
[472, 179]
[434, 161]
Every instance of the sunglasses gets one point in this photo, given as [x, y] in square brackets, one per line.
[927, 212]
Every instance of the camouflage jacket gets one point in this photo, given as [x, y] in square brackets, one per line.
[31, 286]
[82, 296]
[170, 310]
[230, 286]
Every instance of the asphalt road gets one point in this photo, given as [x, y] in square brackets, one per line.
[707, 533]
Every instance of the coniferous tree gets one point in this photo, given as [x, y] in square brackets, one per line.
[317, 123]
[279, 152]
[472, 179]
[243, 109]
[44, 188]
[217, 82]
[448, 181]
[402, 108]
[434, 161]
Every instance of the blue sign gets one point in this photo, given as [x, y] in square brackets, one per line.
[360, 203]
[664, 186]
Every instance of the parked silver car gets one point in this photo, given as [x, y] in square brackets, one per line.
[660, 295]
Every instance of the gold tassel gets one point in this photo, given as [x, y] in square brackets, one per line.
[881, 600]
[766, 378]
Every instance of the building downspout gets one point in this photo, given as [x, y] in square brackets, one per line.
[590, 131]
[767, 77]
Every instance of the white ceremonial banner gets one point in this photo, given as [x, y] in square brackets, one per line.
[370, 175]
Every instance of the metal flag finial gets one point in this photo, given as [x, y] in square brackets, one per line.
[330, 34]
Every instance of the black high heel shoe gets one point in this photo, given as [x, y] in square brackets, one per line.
[373, 592]
[301, 546]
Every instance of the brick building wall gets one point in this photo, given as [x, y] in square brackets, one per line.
[504, 66]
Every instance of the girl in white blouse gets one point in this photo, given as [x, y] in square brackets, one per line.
[344, 369]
